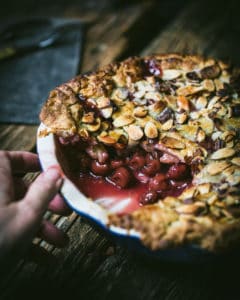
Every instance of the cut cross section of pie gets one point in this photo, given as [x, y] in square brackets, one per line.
[163, 130]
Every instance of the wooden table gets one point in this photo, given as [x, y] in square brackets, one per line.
[92, 267]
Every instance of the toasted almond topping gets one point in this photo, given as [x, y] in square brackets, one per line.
[83, 133]
[212, 102]
[183, 103]
[144, 85]
[212, 199]
[204, 188]
[139, 94]
[189, 193]
[223, 153]
[135, 132]
[140, 112]
[208, 85]
[120, 93]
[107, 140]
[171, 74]
[181, 118]
[95, 126]
[189, 90]
[153, 96]
[192, 209]
[219, 84]
[107, 112]
[207, 125]
[228, 136]
[215, 168]
[236, 161]
[138, 101]
[123, 120]
[150, 130]
[229, 171]
[201, 135]
[167, 125]
[173, 143]
[88, 118]
[201, 102]
[103, 102]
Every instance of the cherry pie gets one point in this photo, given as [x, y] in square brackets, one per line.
[166, 128]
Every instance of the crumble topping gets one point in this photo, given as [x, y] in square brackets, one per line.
[189, 106]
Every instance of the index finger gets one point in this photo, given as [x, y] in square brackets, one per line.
[23, 162]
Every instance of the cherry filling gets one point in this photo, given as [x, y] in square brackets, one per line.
[141, 174]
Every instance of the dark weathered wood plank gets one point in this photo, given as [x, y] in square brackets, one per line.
[210, 28]
[17, 137]
[106, 39]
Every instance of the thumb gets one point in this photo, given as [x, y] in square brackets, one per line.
[41, 192]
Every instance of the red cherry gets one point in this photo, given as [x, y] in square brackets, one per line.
[154, 67]
[158, 183]
[149, 197]
[178, 184]
[116, 163]
[84, 162]
[136, 162]
[99, 169]
[121, 177]
[151, 167]
[177, 171]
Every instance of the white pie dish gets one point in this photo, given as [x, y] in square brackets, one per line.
[97, 214]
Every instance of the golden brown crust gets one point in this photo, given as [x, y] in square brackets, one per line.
[191, 105]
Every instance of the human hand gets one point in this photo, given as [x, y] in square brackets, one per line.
[22, 207]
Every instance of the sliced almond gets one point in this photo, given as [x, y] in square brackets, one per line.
[204, 188]
[83, 133]
[107, 140]
[88, 118]
[228, 136]
[215, 168]
[135, 132]
[151, 130]
[120, 93]
[189, 193]
[103, 102]
[201, 135]
[144, 85]
[183, 103]
[123, 120]
[192, 209]
[181, 117]
[223, 153]
[236, 161]
[153, 95]
[208, 85]
[213, 102]
[107, 112]
[219, 84]
[207, 125]
[167, 125]
[171, 74]
[140, 112]
[139, 94]
[170, 142]
[95, 126]
[201, 102]
[189, 90]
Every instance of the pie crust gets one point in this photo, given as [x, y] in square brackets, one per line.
[190, 106]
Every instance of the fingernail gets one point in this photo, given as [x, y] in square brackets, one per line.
[53, 174]
[59, 182]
